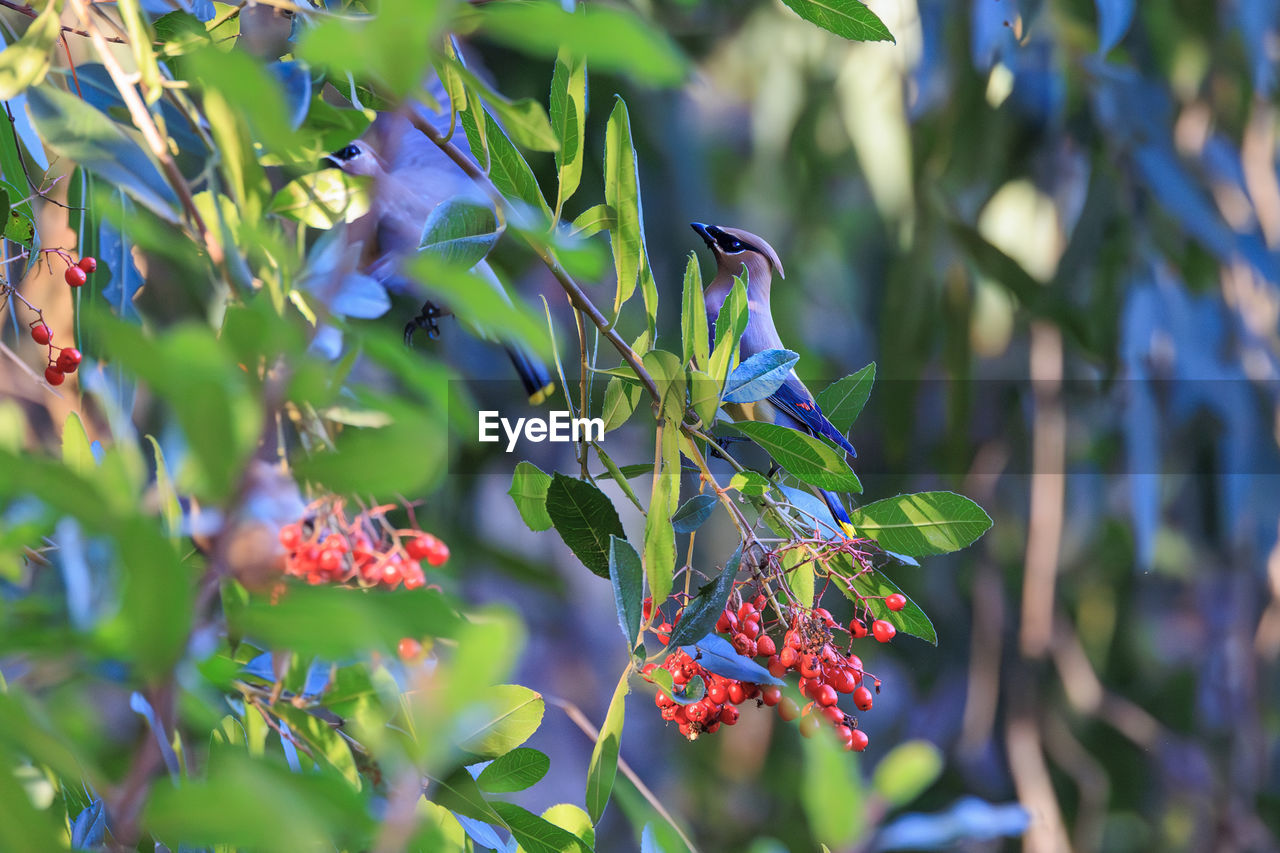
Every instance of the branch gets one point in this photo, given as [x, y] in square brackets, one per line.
[576, 296]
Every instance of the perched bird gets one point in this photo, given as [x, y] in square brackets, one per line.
[411, 176]
[792, 405]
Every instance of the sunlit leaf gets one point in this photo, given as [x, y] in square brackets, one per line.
[842, 400]
[804, 456]
[25, 62]
[622, 194]
[569, 122]
[604, 756]
[516, 770]
[922, 524]
[460, 231]
[529, 492]
[324, 198]
[847, 18]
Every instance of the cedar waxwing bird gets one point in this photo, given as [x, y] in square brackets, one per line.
[792, 405]
[411, 176]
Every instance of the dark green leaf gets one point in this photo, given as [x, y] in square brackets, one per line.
[536, 835]
[508, 169]
[520, 768]
[759, 376]
[694, 513]
[922, 524]
[847, 18]
[529, 491]
[842, 400]
[701, 614]
[870, 588]
[627, 576]
[585, 519]
[804, 456]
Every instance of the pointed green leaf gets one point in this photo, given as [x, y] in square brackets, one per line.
[701, 613]
[25, 62]
[518, 769]
[535, 834]
[847, 18]
[585, 519]
[627, 576]
[620, 400]
[842, 400]
[871, 588]
[803, 456]
[731, 322]
[569, 121]
[513, 714]
[593, 220]
[622, 193]
[922, 524]
[759, 376]
[693, 316]
[694, 513]
[508, 169]
[604, 757]
[460, 231]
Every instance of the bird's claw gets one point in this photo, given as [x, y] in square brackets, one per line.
[426, 320]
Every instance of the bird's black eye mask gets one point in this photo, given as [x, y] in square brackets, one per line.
[350, 152]
[718, 238]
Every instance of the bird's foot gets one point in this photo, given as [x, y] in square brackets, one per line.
[426, 320]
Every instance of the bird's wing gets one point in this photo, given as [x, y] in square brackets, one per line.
[794, 399]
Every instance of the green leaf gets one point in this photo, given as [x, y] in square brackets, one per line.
[922, 524]
[323, 199]
[659, 535]
[731, 322]
[759, 376]
[529, 491]
[798, 569]
[620, 400]
[535, 834]
[460, 231]
[569, 122]
[388, 47]
[593, 220]
[700, 614]
[751, 483]
[693, 316]
[25, 828]
[871, 588]
[585, 519]
[332, 622]
[19, 228]
[622, 193]
[480, 301]
[525, 120]
[604, 756]
[520, 768]
[627, 576]
[514, 714]
[25, 62]
[831, 791]
[907, 772]
[704, 396]
[573, 819]
[85, 136]
[508, 169]
[803, 456]
[610, 39]
[620, 476]
[694, 513]
[842, 400]
[847, 18]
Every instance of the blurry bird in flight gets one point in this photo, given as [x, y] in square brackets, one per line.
[792, 405]
[411, 176]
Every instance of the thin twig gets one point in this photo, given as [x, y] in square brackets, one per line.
[30, 12]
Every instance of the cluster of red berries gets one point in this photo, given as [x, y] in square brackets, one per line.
[718, 704]
[328, 547]
[78, 273]
[61, 360]
[808, 646]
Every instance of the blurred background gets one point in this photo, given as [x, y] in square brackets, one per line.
[1053, 226]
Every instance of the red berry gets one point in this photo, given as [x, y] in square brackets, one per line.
[858, 740]
[729, 715]
[789, 656]
[792, 639]
[883, 630]
[53, 375]
[439, 554]
[858, 629]
[75, 276]
[88, 263]
[759, 601]
[771, 695]
[825, 615]
[419, 546]
[845, 734]
[833, 713]
[843, 680]
[291, 537]
[825, 695]
[409, 648]
[718, 693]
[895, 602]
[810, 666]
[413, 577]
[41, 333]
[737, 693]
[749, 628]
[766, 646]
[69, 359]
[775, 667]
[862, 698]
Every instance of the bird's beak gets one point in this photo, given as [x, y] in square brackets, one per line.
[704, 231]
[328, 161]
